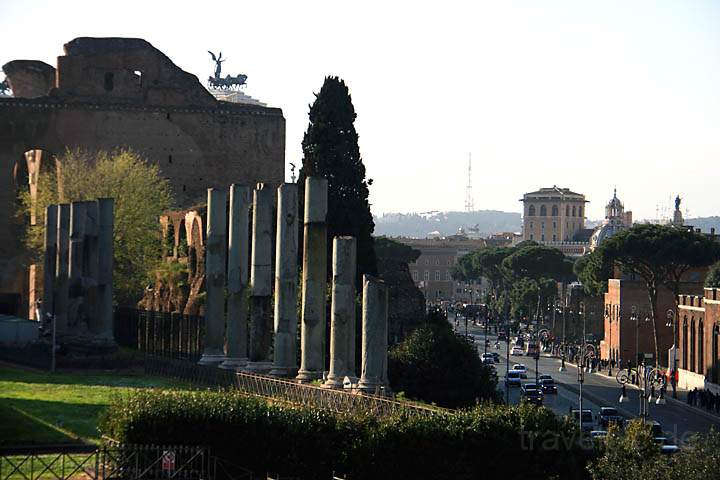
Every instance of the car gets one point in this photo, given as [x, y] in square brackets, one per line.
[512, 379]
[669, 449]
[502, 336]
[521, 368]
[598, 434]
[488, 359]
[608, 415]
[547, 385]
[661, 441]
[516, 351]
[586, 424]
[656, 429]
[530, 393]
[496, 357]
[545, 376]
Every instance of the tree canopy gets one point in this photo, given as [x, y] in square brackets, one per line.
[330, 149]
[712, 280]
[141, 195]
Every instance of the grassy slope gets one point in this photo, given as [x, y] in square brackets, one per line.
[39, 407]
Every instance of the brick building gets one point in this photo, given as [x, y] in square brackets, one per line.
[624, 337]
[698, 356]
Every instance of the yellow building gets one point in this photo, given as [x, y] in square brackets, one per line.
[554, 216]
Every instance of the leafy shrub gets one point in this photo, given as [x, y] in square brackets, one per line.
[307, 443]
[435, 365]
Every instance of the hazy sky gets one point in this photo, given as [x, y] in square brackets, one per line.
[587, 95]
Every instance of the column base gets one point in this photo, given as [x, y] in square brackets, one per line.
[234, 363]
[373, 387]
[258, 367]
[307, 376]
[284, 372]
[212, 359]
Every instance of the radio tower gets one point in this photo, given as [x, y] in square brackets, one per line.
[469, 204]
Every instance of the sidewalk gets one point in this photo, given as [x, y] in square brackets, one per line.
[681, 394]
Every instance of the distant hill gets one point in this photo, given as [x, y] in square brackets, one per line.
[705, 223]
[419, 225]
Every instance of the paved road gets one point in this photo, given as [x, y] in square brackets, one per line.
[677, 419]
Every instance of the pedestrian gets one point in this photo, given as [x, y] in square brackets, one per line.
[690, 397]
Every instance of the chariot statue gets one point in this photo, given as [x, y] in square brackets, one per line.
[5, 87]
[229, 82]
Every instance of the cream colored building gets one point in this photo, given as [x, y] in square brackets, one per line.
[553, 215]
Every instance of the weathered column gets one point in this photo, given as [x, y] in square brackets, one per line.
[236, 338]
[61, 267]
[90, 266]
[314, 280]
[215, 279]
[342, 319]
[105, 251]
[50, 260]
[374, 335]
[261, 281]
[75, 265]
[286, 245]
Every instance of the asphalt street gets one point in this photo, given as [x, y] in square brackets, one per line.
[678, 420]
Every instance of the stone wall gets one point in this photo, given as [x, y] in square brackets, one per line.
[112, 93]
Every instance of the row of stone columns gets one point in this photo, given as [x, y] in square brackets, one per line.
[78, 264]
[250, 350]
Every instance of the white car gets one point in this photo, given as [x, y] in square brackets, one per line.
[521, 368]
[516, 351]
[512, 379]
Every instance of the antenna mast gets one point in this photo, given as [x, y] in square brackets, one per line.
[469, 203]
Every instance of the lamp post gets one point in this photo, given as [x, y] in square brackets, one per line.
[608, 316]
[563, 348]
[672, 321]
[581, 372]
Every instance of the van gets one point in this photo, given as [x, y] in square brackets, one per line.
[587, 424]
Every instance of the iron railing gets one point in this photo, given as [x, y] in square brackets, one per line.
[160, 333]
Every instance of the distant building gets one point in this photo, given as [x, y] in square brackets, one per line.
[556, 217]
[616, 219]
[432, 271]
[698, 355]
[504, 239]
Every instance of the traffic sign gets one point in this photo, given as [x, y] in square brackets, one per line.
[168, 460]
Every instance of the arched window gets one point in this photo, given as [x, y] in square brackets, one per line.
[701, 348]
[693, 337]
[567, 210]
[716, 334]
[531, 211]
[685, 344]
[554, 210]
[573, 210]
[543, 211]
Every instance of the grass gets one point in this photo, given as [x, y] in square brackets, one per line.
[40, 407]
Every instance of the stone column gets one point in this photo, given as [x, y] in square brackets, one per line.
[261, 281]
[314, 281]
[374, 335]
[236, 338]
[50, 260]
[61, 267]
[286, 272]
[215, 279]
[90, 267]
[342, 320]
[75, 265]
[105, 251]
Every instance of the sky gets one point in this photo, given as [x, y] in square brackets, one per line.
[579, 94]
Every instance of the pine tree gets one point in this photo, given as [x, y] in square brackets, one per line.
[330, 149]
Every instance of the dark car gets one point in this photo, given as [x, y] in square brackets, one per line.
[502, 336]
[530, 393]
[496, 357]
[547, 385]
[608, 415]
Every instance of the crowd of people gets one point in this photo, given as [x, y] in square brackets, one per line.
[704, 399]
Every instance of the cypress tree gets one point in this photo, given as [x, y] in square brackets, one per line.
[330, 149]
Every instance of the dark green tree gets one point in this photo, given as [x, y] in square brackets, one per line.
[592, 273]
[659, 254]
[537, 261]
[330, 149]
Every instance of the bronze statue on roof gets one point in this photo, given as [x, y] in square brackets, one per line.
[229, 82]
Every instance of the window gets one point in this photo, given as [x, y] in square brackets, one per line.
[567, 210]
[543, 211]
[692, 344]
[685, 344]
[573, 211]
[531, 211]
[580, 212]
[447, 275]
[542, 225]
[554, 238]
[542, 237]
[554, 226]
[714, 367]
[427, 261]
[426, 275]
[532, 236]
[531, 224]
[138, 77]
[437, 261]
[701, 348]
[554, 210]
[437, 275]
[415, 275]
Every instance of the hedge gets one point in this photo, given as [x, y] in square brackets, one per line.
[484, 442]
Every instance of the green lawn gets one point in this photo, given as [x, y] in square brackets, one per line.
[39, 407]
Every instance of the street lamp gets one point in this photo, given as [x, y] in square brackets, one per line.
[563, 345]
[672, 322]
[581, 374]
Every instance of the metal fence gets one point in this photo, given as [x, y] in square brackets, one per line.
[285, 391]
[160, 333]
[117, 461]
